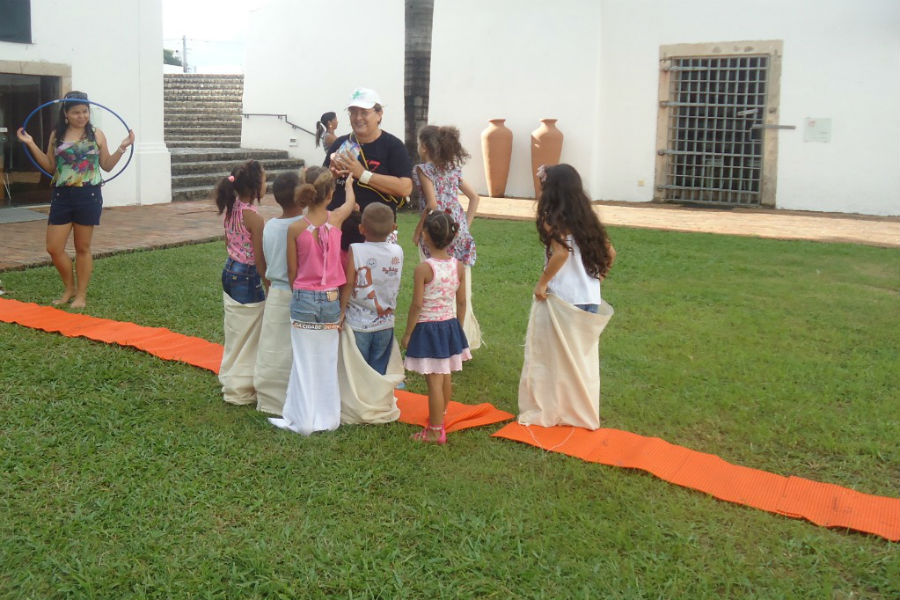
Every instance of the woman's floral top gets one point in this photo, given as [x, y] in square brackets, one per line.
[77, 164]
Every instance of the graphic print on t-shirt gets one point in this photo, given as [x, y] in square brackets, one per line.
[363, 288]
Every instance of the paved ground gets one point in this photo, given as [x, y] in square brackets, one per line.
[135, 227]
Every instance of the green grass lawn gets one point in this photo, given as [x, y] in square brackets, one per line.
[125, 476]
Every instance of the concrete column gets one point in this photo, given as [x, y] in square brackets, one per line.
[153, 162]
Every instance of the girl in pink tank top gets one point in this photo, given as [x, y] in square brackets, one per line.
[434, 339]
[315, 270]
[243, 295]
[238, 196]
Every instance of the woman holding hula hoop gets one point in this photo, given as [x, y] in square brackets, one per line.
[75, 154]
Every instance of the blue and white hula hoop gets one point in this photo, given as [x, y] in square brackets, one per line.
[76, 101]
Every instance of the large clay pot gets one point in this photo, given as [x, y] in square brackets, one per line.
[546, 148]
[496, 145]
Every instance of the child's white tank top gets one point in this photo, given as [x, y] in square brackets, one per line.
[572, 283]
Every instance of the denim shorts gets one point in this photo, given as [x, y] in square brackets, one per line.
[591, 308]
[242, 282]
[79, 205]
[314, 307]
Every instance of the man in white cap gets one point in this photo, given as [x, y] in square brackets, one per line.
[378, 161]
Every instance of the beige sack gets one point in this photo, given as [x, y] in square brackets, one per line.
[367, 396]
[313, 400]
[560, 382]
[273, 358]
[470, 324]
[242, 325]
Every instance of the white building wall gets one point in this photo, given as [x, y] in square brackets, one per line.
[844, 67]
[308, 57]
[594, 65]
[118, 65]
[841, 61]
[521, 60]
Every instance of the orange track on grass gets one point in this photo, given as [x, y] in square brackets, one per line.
[824, 504]
[821, 503]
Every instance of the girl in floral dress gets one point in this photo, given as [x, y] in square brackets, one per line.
[438, 181]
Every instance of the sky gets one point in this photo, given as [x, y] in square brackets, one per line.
[216, 32]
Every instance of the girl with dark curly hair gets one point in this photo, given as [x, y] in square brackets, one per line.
[578, 251]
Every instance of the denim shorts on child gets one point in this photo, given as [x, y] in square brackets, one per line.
[242, 282]
[80, 205]
[314, 307]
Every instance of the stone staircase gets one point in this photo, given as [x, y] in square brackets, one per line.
[203, 134]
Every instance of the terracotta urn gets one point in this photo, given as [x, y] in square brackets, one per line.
[546, 148]
[496, 145]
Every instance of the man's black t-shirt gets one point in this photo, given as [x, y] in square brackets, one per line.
[385, 156]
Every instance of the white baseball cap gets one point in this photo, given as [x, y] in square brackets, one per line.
[364, 98]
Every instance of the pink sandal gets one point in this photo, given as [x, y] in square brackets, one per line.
[422, 436]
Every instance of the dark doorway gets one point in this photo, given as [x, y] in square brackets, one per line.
[21, 183]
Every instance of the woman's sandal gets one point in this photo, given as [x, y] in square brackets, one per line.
[422, 436]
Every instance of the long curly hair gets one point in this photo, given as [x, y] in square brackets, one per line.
[443, 146]
[245, 180]
[564, 209]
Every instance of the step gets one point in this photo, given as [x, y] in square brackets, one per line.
[209, 132]
[199, 105]
[200, 192]
[202, 138]
[202, 120]
[175, 84]
[208, 166]
[203, 84]
[212, 178]
[186, 108]
[192, 155]
[215, 95]
[203, 77]
[204, 144]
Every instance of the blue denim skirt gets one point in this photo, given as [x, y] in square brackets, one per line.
[242, 282]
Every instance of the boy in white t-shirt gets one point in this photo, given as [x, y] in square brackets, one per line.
[274, 356]
[369, 297]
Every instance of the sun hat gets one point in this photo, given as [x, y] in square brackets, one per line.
[364, 98]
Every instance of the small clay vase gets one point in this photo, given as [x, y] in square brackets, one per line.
[496, 146]
[546, 148]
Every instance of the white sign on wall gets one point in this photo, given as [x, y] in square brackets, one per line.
[817, 130]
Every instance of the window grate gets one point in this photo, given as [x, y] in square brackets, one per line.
[713, 154]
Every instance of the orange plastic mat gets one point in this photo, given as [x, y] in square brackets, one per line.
[821, 503]
[414, 410]
[824, 504]
[157, 341]
[198, 352]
